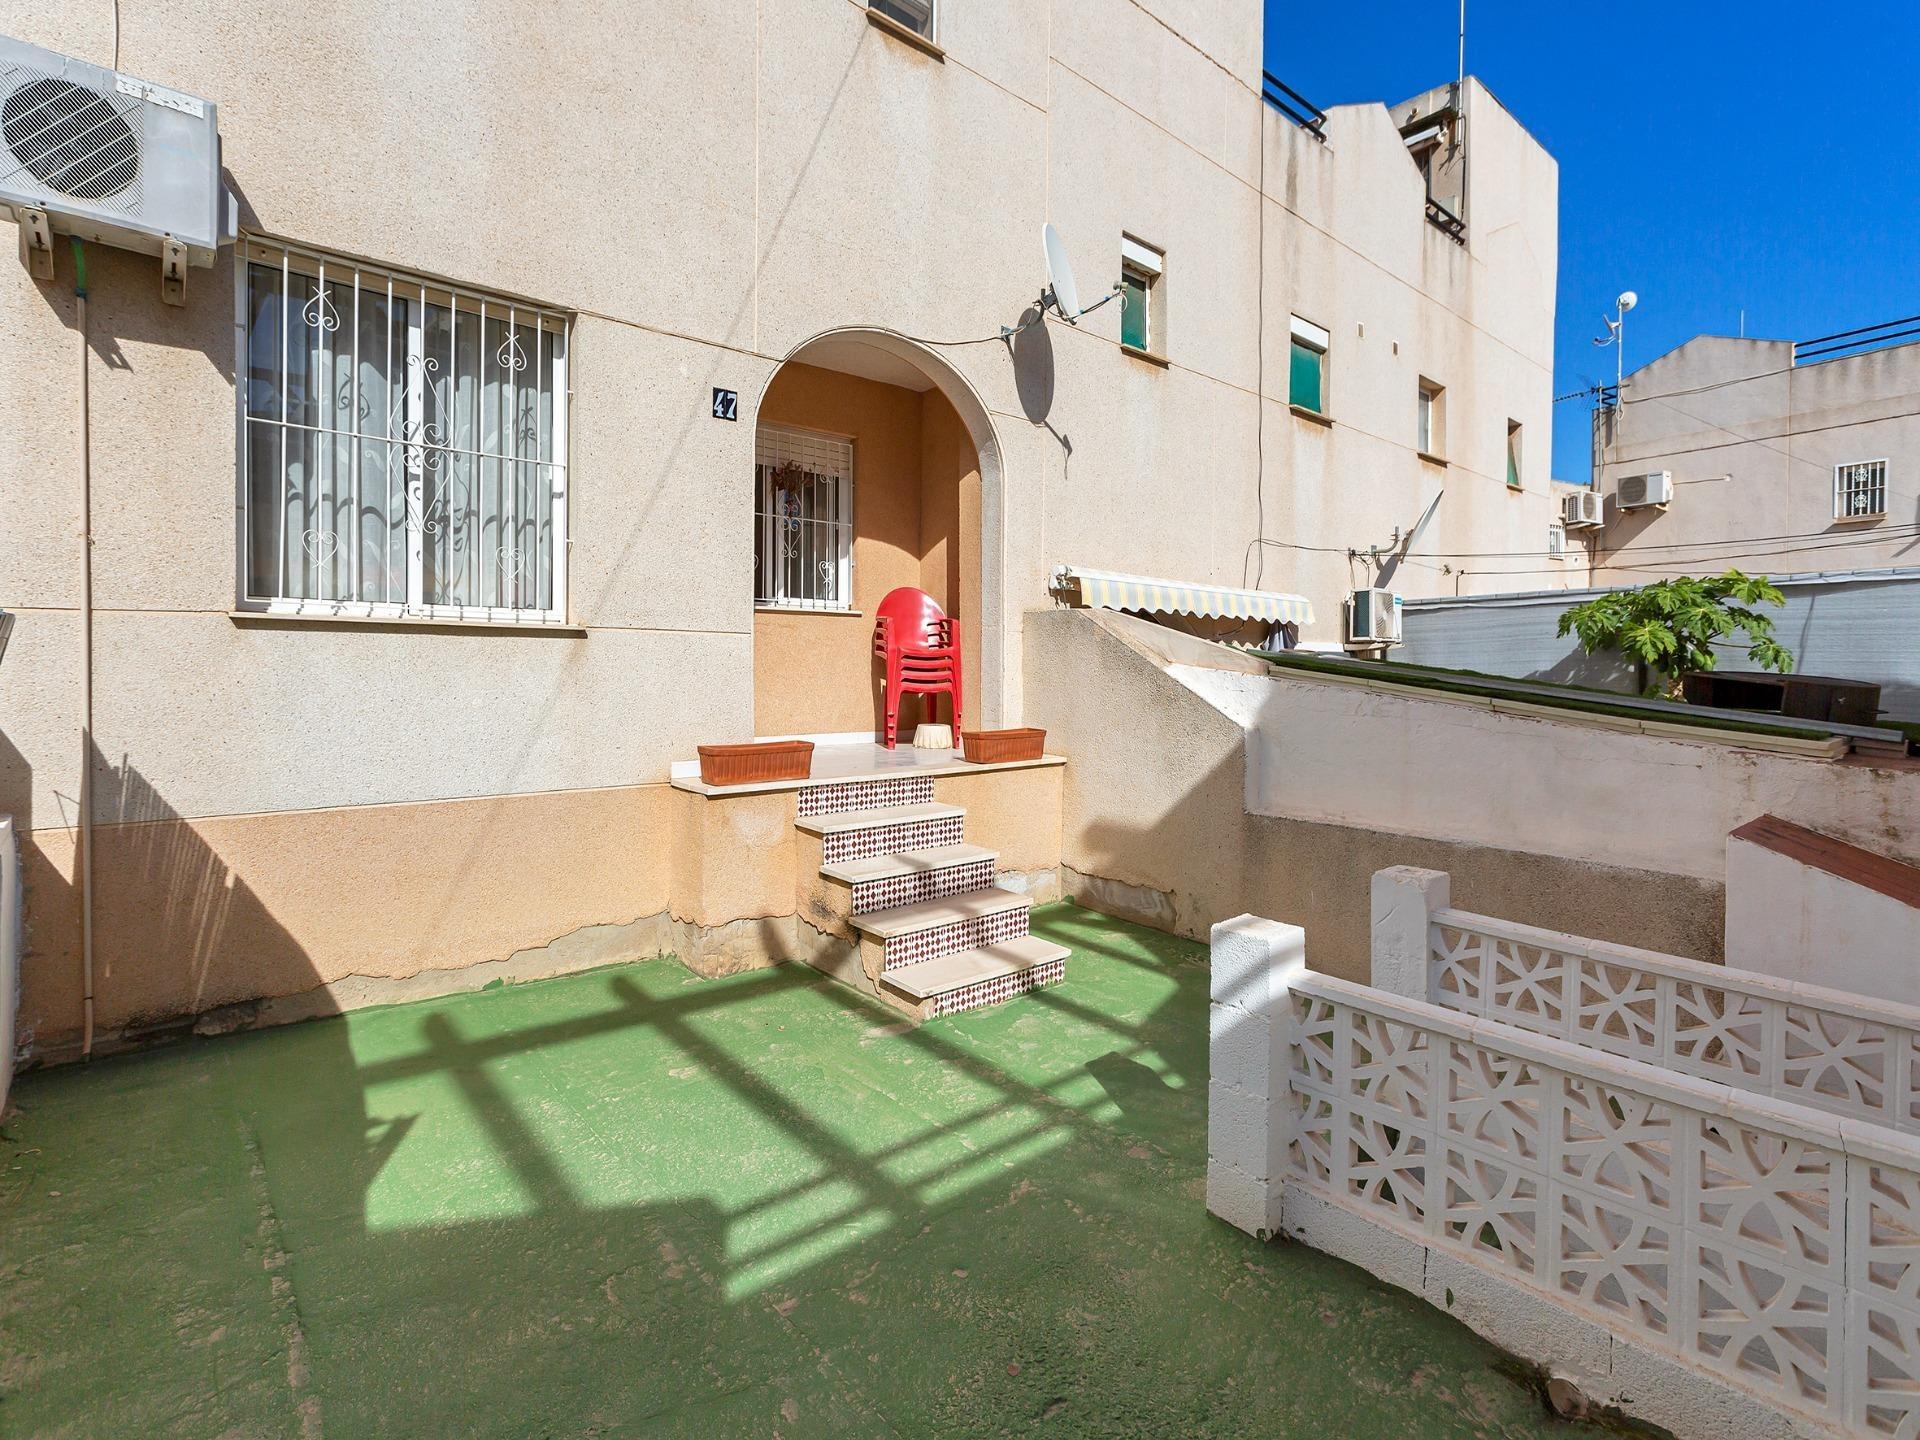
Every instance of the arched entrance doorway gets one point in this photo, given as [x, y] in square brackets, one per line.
[875, 466]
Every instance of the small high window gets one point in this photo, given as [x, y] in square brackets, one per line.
[915, 15]
[1860, 490]
[1513, 454]
[1429, 421]
[1307, 368]
[1142, 268]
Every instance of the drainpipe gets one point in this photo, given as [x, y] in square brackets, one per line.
[86, 659]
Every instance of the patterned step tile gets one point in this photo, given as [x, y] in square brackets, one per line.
[866, 795]
[892, 837]
[991, 992]
[910, 889]
[968, 934]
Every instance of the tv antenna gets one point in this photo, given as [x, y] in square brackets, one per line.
[1616, 336]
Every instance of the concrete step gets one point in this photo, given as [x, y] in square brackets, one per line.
[904, 920]
[906, 863]
[872, 819]
[906, 934]
[863, 834]
[969, 979]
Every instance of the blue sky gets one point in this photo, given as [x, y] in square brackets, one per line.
[1713, 155]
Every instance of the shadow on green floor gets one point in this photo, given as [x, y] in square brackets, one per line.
[636, 1202]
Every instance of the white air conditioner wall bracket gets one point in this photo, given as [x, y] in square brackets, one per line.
[173, 271]
[36, 243]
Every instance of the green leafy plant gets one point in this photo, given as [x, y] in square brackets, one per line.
[1669, 627]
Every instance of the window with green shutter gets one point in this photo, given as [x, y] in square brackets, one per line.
[1307, 369]
[1133, 318]
[1143, 270]
[1304, 388]
[1513, 454]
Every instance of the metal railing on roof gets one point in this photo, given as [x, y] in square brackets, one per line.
[1853, 342]
[1445, 220]
[1292, 104]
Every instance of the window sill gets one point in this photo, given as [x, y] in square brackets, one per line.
[894, 28]
[1431, 459]
[829, 612]
[1313, 415]
[1147, 355]
[1516, 489]
[289, 620]
[1873, 519]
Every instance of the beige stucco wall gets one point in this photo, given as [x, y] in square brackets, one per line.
[193, 915]
[1752, 441]
[783, 171]
[1799, 922]
[1187, 802]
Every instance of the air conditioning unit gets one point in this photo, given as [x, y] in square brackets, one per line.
[1373, 618]
[90, 152]
[1582, 509]
[1637, 491]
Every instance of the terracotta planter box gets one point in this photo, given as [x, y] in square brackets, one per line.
[997, 747]
[756, 764]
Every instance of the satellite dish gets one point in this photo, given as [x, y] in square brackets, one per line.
[1392, 566]
[1060, 281]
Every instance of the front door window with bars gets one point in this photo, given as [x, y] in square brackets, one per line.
[403, 444]
[1860, 490]
[803, 521]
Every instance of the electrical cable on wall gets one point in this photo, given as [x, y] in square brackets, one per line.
[86, 656]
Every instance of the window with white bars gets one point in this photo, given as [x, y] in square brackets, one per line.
[803, 520]
[1860, 490]
[402, 444]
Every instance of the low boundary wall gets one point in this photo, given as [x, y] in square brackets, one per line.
[1711, 1259]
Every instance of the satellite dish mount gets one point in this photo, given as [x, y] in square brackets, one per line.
[1062, 292]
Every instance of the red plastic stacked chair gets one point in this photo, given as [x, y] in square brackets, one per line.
[920, 647]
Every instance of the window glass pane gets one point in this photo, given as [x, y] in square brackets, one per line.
[1304, 377]
[263, 341]
[384, 391]
[1134, 297]
[1860, 490]
[803, 520]
[916, 15]
[262, 441]
[1425, 427]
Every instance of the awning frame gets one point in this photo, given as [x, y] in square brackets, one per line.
[1113, 590]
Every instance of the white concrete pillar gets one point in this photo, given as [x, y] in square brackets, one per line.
[1404, 901]
[1254, 965]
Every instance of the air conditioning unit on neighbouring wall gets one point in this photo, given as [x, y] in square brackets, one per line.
[1373, 618]
[1636, 491]
[90, 152]
[1582, 509]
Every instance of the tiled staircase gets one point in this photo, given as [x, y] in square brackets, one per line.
[930, 931]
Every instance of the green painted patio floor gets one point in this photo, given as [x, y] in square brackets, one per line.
[633, 1202]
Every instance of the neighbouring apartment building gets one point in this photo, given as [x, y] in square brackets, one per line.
[579, 378]
[1798, 461]
[1773, 456]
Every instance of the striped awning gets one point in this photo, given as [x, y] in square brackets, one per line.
[1109, 590]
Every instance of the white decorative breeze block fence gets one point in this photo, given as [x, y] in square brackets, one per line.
[1713, 1260]
[1830, 1049]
